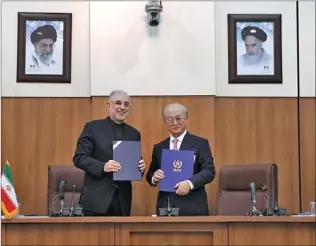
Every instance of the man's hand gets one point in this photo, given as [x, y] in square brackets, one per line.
[142, 165]
[112, 166]
[183, 188]
[158, 175]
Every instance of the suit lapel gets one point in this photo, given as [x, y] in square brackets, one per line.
[186, 143]
[166, 143]
[110, 129]
[126, 133]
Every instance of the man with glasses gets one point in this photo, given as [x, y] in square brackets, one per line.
[101, 196]
[190, 195]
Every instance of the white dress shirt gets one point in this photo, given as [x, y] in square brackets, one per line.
[180, 140]
[171, 146]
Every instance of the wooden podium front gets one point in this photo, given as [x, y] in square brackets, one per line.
[43, 230]
[171, 231]
[289, 230]
[210, 230]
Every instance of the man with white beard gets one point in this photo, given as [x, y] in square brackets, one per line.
[256, 60]
[41, 60]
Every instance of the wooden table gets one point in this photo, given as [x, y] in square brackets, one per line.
[58, 231]
[212, 230]
[272, 231]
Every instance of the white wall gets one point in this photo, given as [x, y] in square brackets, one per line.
[80, 84]
[185, 57]
[177, 58]
[307, 50]
[289, 86]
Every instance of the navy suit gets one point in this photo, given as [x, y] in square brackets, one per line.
[195, 202]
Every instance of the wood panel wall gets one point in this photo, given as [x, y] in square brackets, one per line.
[37, 132]
[307, 150]
[261, 130]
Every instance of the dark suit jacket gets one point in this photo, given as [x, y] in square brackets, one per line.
[94, 149]
[195, 203]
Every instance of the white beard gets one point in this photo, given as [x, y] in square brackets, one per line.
[253, 59]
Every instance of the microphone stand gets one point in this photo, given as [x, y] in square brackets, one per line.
[67, 211]
[61, 196]
[72, 201]
[168, 211]
[275, 210]
[255, 211]
[75, 211]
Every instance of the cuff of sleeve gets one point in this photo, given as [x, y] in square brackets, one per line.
[101, 164]
[191, 185]
[153, 183]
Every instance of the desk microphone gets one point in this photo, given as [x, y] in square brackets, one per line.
[254, 212]
[253, 195]
[274, 209]
[62, 194]
[72, 200]
[169, 211]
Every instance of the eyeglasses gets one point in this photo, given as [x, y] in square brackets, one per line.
[170, 120]
[120, 103]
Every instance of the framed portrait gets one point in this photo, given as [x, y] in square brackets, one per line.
[44, 47]
[254, 48]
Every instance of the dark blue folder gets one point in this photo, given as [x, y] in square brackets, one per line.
[128, 154]
[177, 166]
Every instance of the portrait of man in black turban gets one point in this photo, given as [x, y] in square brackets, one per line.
[253, 57]
[44, 47]
[255, 48]
[41, 53]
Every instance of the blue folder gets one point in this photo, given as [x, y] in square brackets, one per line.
[128, 154]
[177, 166]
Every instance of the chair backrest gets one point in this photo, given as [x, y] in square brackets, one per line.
[73, 176]
[234, 188]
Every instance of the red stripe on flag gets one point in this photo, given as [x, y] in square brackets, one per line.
[9, 205]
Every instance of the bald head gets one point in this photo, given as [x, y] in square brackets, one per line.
[175, 116]
[119, 104]
[175, 108]
[118, 93]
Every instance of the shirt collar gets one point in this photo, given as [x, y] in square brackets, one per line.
[180, 138]
[114, 123]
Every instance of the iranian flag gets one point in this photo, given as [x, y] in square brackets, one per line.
[9, 201]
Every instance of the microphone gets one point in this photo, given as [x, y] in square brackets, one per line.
[254, 212]
[72, 200]
[62, 194]
[275, 210]
[253, 194]
[67, 211]
[169, 211]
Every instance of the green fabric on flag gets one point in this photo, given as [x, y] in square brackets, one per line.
[7, 172]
